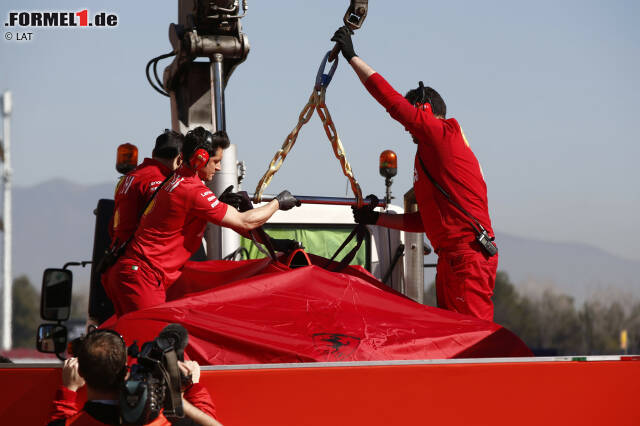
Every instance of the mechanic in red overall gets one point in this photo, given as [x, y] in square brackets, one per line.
[136, 188]
[467, 260]
[173, 224]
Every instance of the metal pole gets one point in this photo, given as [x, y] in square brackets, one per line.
[217, 94]
[221, 241]
[7, 280]
[329, 201]
[414, 255]
[387, 183]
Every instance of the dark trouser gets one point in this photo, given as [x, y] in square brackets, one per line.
[465, 278]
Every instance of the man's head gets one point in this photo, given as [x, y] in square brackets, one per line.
[427, 95]
[168, 148]
[102, 360]
[213, 144]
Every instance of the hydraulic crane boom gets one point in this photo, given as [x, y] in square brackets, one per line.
[206, 29]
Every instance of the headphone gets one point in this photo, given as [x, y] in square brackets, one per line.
[200, 156]
[198, 159]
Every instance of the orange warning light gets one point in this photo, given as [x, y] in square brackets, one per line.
[388, 164]
[127, 158]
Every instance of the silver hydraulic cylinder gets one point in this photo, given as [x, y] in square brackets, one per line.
[221, 241]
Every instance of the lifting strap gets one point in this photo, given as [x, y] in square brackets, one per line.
[316, 103]
[359, 231]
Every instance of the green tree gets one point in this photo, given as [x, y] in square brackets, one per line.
[632, 325]
[549, 321]
[602, 325]
[560, 325]
[506, 302]
[26, 313]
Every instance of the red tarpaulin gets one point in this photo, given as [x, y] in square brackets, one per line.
[258, 311]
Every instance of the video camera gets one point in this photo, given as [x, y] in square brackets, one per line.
[154, 383]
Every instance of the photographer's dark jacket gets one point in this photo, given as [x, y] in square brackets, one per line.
[66, 412]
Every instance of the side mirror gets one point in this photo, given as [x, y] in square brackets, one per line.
[52, 338]
[55, 304]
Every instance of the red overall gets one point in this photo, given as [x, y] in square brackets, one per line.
[131, 194]
[465, 275]
[170, 231]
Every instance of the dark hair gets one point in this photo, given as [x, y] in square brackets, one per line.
[202, 138]
[422, 95]
[102, 360]
[168, 145]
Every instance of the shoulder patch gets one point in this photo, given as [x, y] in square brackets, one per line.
[172, 183]
[124, 184]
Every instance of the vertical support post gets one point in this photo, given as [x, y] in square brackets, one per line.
[387, 183]
[221, 241]
[218, 118]
[7, 282]
[414, 255]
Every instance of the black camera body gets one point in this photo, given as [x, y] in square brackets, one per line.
[153, 383]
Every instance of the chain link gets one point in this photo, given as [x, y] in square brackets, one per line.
[336, 144]
[316, 102]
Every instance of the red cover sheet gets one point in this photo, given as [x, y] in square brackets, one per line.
[259, 311]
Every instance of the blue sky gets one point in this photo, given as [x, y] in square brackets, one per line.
[547, 92]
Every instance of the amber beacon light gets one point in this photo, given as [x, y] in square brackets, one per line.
[127, 158]
[388, 164]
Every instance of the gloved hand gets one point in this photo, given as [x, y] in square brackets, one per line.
[286, 201]
[231, 198]
[285, 245]
[343, 38]
[365, 215]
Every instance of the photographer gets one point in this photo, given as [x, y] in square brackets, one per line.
[101, 364]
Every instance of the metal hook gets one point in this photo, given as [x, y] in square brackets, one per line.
[322, 79]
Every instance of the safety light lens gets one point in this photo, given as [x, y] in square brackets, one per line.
[388, 164]
[127, 158]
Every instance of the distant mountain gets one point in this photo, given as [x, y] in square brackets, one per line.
[576, 269]
[54, 222]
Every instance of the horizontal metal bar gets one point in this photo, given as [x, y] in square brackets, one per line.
[331, 201]
[458, 361]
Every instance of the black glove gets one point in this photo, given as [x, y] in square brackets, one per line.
[343, 38]
[286, 201]
[285, 245]
[231, 198]
[365, 215]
